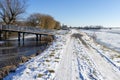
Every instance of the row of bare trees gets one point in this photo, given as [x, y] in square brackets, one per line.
[10, 11]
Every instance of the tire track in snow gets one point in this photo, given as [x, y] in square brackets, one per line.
[86, 67]
[110, 61]
[76, 64]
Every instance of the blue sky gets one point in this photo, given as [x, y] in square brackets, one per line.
[79, 12]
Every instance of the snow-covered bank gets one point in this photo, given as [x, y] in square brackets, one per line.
[43, 66]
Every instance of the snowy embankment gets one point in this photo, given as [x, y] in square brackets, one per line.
[43, 66]
[73, 56]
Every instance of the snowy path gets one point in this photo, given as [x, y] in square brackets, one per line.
[85, 63]
[64, 70]
[69, 58]
[75, 64]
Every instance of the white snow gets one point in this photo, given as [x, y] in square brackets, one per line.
[68, 58]
[109, 38]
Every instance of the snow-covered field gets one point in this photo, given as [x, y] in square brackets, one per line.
[107, 37]
[71, 58]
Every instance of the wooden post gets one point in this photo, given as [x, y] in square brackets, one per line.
[23, 38]
[5, 35]
[0, 34]
[36, 39]
[18, 36]
[19, 39]
[40, 37]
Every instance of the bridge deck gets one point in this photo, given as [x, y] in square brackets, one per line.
[31, 30]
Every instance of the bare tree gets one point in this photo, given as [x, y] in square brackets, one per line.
[34, 19]
[11, 9]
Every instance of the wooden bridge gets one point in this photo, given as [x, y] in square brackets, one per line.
[22, 30]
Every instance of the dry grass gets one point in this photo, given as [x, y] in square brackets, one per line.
[57, 58]
[118, 56]
[51, 55]
[51, 71]
[40, 75]
[79, 36]
[27, 72]
[56, 61]
[47, 38]
[47, 60]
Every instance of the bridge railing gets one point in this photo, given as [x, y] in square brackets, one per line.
[25, 29]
